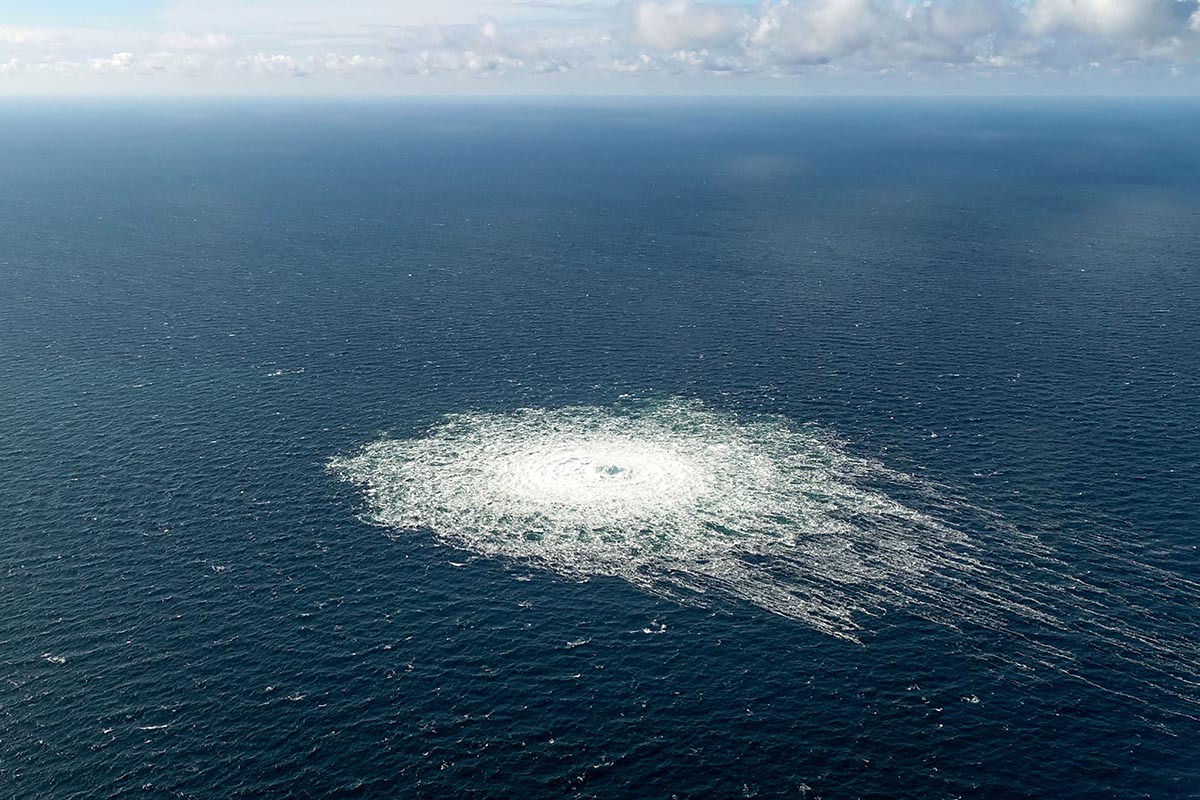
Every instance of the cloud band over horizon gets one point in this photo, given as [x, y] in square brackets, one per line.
[651, 46]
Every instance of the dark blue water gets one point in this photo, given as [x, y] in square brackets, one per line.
[200, 306]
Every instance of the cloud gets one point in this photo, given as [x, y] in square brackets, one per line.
[335, 62]
[433, 62]
[486, 48]
[1119, 20]
[384, 45]
[117, 62]
[682, 25]
[815, 31]
[176, 40]
[277, 65]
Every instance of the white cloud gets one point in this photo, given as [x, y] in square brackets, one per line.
[815, 31]
[633, 66]
[434, 62]
[30, 37]
[389, 45]
[278, 64]
[117, 62]
[335, 62]
[485, 49]
[176, 40]
[680, 24]
[1123, 20]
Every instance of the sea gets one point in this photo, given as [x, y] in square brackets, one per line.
[600, 448]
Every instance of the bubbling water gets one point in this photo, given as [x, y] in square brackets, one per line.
[675, 498]
[702, 506]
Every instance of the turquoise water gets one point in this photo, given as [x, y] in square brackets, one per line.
[837, 450]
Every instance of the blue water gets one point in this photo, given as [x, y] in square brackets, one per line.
[202, 305]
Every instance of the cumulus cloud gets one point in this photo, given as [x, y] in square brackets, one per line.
[816, 31]
[682, 25]
[277, 64]
[432, 62]
[1121, 20]
[486, 48]
[878, 34]
[335, 62]
[117, 62]
[377, 44]
[470, 49]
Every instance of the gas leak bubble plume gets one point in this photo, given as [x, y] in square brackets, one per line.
[706, 507]
[674, 498]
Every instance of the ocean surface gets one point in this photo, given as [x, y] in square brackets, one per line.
[639, 449]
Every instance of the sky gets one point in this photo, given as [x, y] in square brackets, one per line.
[675, 47]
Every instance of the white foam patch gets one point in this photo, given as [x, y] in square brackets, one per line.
[703, 506]
[673, 497]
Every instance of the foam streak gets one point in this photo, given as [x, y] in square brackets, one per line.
[697, 505]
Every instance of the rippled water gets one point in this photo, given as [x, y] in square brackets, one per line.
[518, 450]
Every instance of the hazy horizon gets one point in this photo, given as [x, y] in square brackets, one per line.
[649, 47]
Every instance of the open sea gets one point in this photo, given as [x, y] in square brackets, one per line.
[605, 449]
